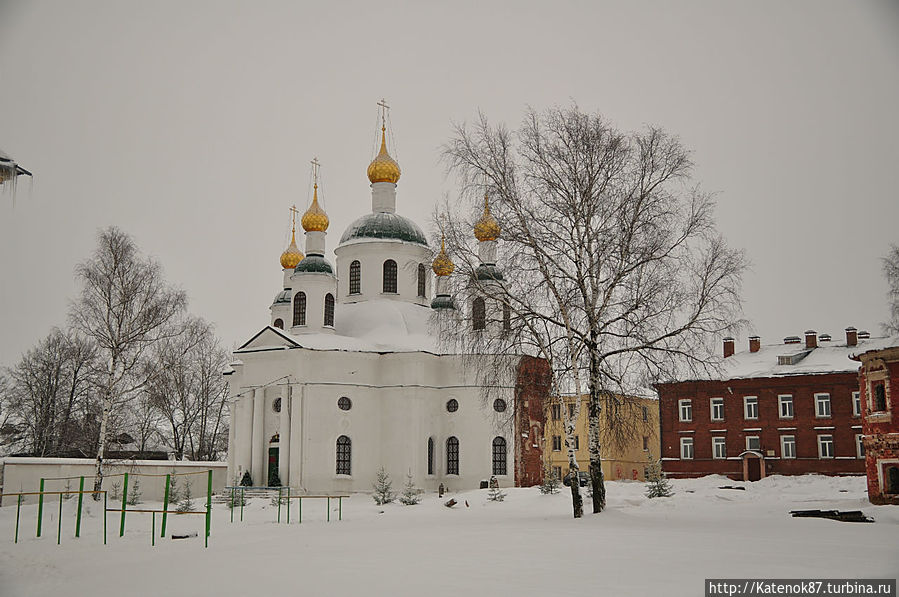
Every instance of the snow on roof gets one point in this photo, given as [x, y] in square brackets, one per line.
[828, 357]
[874, 344]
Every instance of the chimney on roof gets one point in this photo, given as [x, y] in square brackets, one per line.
[864, 335]
[792, 340]
[811, 339]
[824, 338]
[755, 343]
[851, 336]
[728, 347]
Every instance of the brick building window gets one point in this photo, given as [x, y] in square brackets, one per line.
[685, 408]
[859, 445]
[880, 396]
[645, 444]
[557, 443]
[750, 407]
[577, 442]
[556, 412]
[686, 448]
[785, 406]
[753, 443]
[719, 449]
[856, 404]
[822, 405]
[825, 446]
[557, 472]
[717, 409]
[788, 446]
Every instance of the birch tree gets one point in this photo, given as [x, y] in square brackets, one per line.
[124, 306]
[610, 251]
[891, 271]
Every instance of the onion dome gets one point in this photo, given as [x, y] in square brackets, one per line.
[282, 298]
[315, 264]
[292, 255]
[383, 168]
[487, 228]
[315, 218]
[442, 265]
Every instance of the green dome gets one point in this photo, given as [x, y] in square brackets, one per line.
[384, 226]
[314, 263]
[488, 272]
[441, 301]
[282, 297]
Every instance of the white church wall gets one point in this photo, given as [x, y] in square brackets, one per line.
[371, 256]
[316, 286]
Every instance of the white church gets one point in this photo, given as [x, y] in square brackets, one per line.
[348, 376]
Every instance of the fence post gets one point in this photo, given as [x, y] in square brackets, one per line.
[232, 504]
[288, 504]
[59, 528]
[279, 505]
[18, 508]
[165, 506]
[124, 506]
[242, 500]
[105, 514]
[329, 508]
[208, 506]
[80, 497]
[340, 508]
[300, 499]
[40, 508]
[153, 531]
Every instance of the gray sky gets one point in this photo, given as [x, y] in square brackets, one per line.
[191, 125]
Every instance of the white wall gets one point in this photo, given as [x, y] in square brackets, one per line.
[24, 474]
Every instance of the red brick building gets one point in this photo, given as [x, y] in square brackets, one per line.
[786, 409]
[879, 387]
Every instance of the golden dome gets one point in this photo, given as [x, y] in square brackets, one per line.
[383, 168]
[315, 217]
[292, 255]
[442, 265]
[487, 228]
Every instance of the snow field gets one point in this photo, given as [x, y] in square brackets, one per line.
[526, 545]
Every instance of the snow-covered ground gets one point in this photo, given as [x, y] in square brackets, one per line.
[526, 545]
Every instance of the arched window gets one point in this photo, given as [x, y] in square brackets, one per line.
[452, 456]
[299, 308]
[880, 397]
[421, 279]
[507, 317]
[279, 323]
[329, 309]
[478, 314]
[499, 456]
[355, 277]
[430, 455]
[344, 455]
[389, 276]
[893, 480]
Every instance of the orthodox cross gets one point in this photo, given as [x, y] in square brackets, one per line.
[315, 166]
[384, 108]
[293, 215]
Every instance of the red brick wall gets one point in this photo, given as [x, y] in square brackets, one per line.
[532, 387]
[881, 434]
[802, 387]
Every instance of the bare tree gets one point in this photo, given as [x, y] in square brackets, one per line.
[124, 306]
[187, 388]
[48, 395]
[891, 271]
[611, 252]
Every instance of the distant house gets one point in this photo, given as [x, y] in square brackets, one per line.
[786, 409]
[624, 459]
[879, 387]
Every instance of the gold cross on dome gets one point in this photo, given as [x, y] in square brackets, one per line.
[315, 166]
[293, 214]
[384, 108]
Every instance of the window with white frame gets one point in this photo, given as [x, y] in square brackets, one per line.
[717, 409]
[557, 443]
[788, 446]
[785, 406]
[685, 408]
[719, 449]
[686, 448]
[822, 405]
[856, 404]
[859, 445]
[753, 443]
[825, 446]
[645, 443]
[750, 407]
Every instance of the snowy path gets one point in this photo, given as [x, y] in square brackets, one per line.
[522, 546]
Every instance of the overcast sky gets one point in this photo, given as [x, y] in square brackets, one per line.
[190, 125]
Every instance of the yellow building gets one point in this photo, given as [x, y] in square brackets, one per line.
[628, 431]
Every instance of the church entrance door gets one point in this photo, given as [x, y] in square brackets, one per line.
[272, 465]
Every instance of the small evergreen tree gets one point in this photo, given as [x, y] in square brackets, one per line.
[116, 491]
[185, 504]
[246, 480]
[411, 494]
[657, 484]
[551, 483]
[383, 487]
[134, 493]
[174, 489]
[495, 494]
